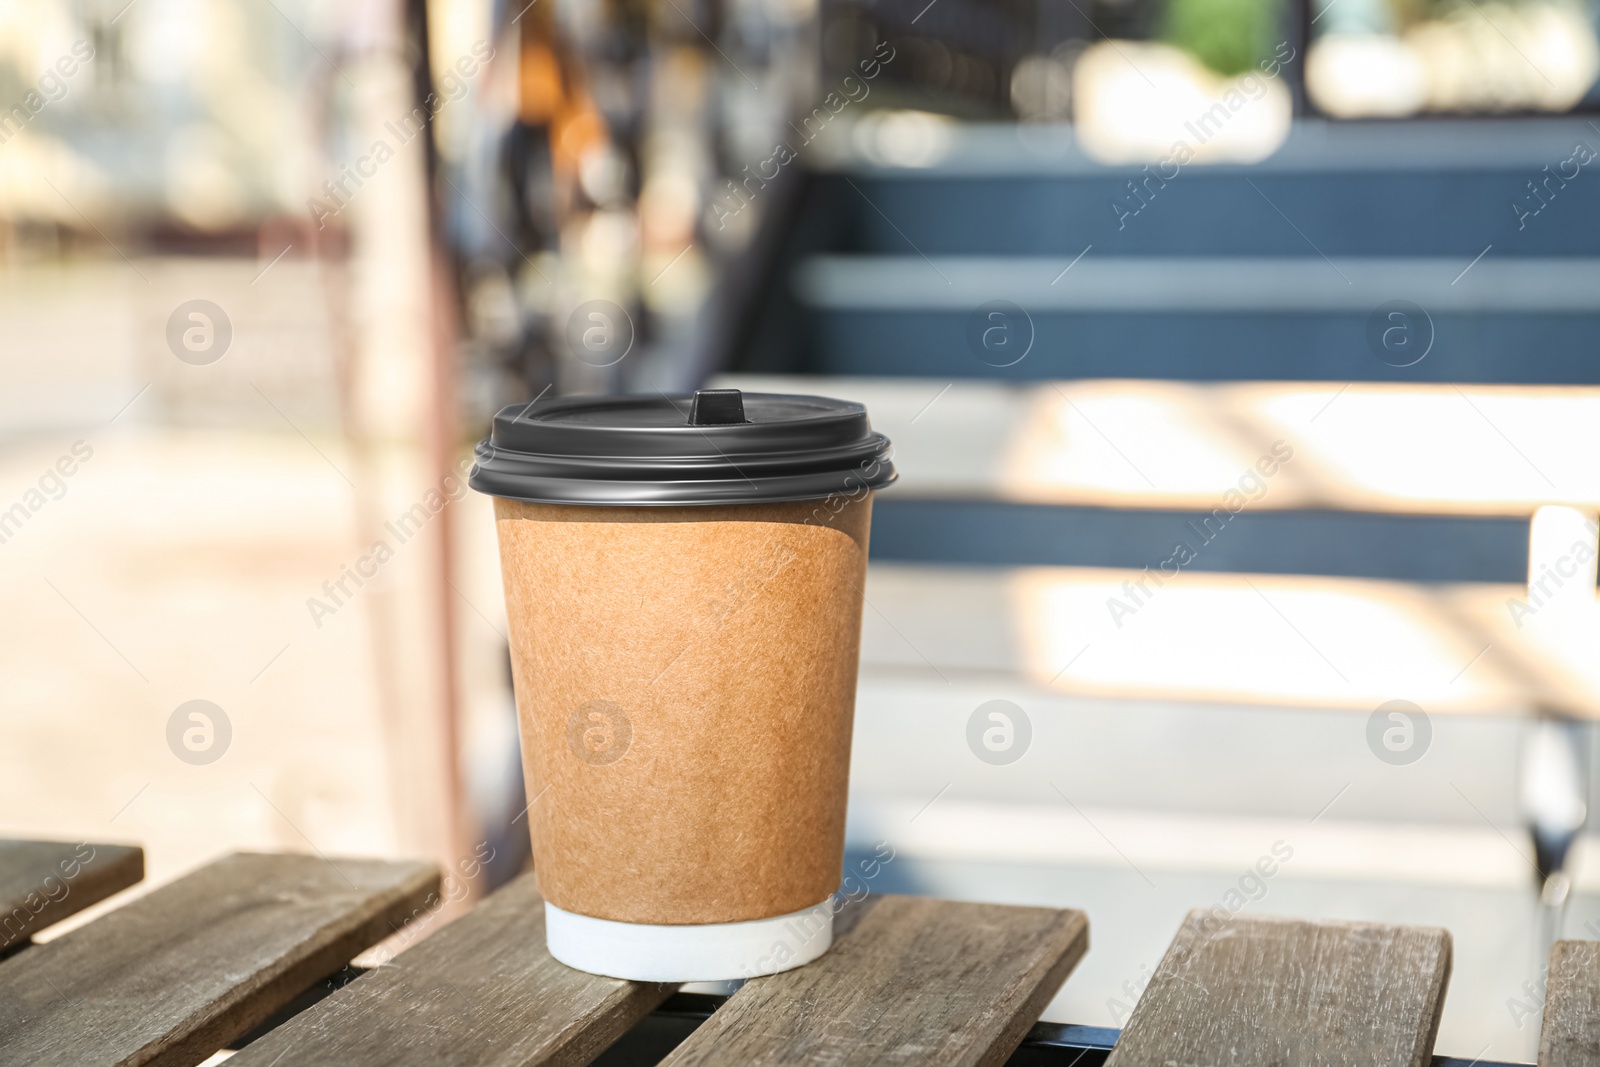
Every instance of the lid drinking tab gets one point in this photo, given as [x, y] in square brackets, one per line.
[717, 407]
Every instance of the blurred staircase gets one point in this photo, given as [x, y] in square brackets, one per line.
[1163, 356]
[1227, 704]
[1297, 269]
[1220, 273]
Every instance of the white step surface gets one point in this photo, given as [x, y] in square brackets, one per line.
[996, 149]
[1270, 640]
[1412, 449]
[1110, 284]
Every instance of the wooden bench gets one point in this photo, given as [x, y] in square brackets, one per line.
[173, 976]
[43, 882]
[197, 966]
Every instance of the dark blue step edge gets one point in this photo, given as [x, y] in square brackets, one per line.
[1340, 544]
[1510, 348]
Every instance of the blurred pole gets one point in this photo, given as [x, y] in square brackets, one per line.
[443, 430]
[1554, 791]
[1555, 763]
[399, 408]
[330, 248]
[1298, 18]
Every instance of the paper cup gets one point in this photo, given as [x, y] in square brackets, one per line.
[685, 678]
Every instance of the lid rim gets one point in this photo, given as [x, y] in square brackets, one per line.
[564, 452]
[598, 493]
[842, 459]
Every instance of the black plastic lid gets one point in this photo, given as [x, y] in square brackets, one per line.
[719, 446]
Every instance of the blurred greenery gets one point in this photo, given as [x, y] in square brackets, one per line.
[1229, 36]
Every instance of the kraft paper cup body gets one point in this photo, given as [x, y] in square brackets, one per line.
[684, 586]
[685, 680]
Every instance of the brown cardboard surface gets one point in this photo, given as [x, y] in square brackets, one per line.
[685, 680]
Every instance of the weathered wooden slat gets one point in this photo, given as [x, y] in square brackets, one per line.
[916, 981]
[481, 991]
[1239, 992]
[174, 975]
[1570, 1035]
[43, 882]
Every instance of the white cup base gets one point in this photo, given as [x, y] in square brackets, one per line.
[716, 952]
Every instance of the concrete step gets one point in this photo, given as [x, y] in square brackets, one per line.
[1365, 447]
[1116, 443]
[1241, 639]
[1413, 483]
[1229, 762]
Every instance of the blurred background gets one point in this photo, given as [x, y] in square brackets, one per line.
[1238, 357]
